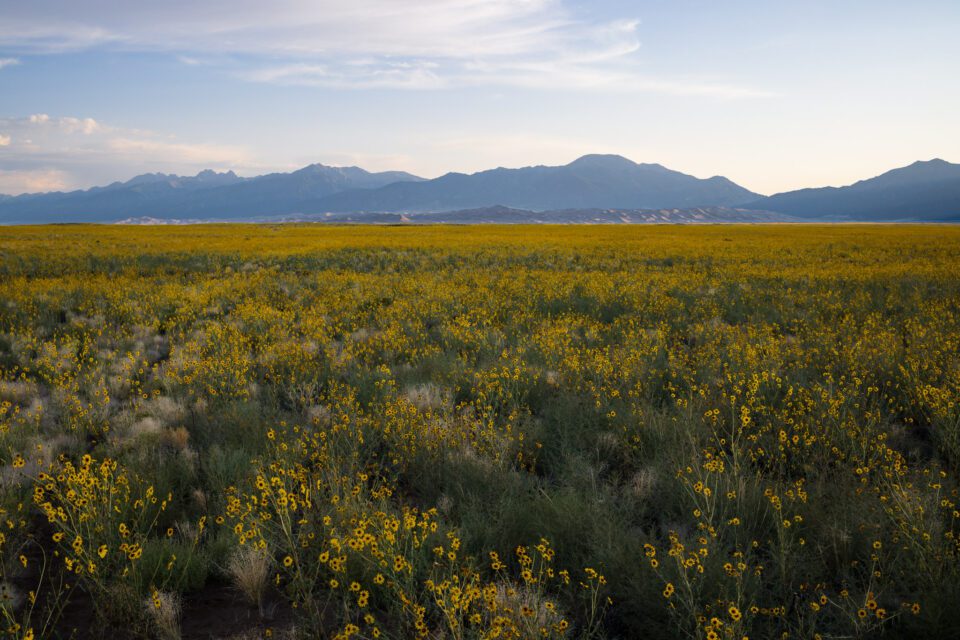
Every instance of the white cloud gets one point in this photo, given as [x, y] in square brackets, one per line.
[8, 62]
[85, 126]
[81, 125]
[39, 150]
[33, 181]
[426, 44]
[163, 152]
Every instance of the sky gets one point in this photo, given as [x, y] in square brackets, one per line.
[773, 95]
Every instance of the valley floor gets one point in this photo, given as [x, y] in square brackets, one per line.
[245, 431]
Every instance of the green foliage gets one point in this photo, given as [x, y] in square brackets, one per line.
[463, 432]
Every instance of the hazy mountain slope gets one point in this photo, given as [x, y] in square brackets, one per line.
[923, 191]
[602, 181]
[147, 193]
[927, 191]
[207, 195]
[279, 193]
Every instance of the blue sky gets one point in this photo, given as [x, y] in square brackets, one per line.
[774, 95]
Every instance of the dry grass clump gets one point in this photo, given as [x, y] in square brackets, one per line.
[643, 483]
[165, 409]
[365, 334]
[10, 597]
[163, 609]
[177, 438]
[249, 568]
[318, 414]
[19, 392]
[426, 397]
[529, 608]
[144, 427]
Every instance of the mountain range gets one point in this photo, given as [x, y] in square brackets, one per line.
[928, 191]
[601, 181]
[208, 195]
[597, 188]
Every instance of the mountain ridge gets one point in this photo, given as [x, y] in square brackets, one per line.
[594, 180]
[927, 190]
[207, 194]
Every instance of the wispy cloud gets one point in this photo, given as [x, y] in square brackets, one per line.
[382, 27]
[428, 44]
[357, 74]
[39, 150]
[8, 62]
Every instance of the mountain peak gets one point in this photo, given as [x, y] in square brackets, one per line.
[603, 160]
[936, 169]
[926, 166]
[206, 174]
[316, 167]
[145, 178]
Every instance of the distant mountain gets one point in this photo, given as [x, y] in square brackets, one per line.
[208, 195]
[593, 181]
[922, 191]
[151, 192]
[278, 193]
[158, 182]
[599, 188]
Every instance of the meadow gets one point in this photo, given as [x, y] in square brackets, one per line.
[302, 431]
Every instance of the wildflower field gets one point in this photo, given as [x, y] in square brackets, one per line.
[303, 431]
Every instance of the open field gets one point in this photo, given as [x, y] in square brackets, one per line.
[479, 432]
